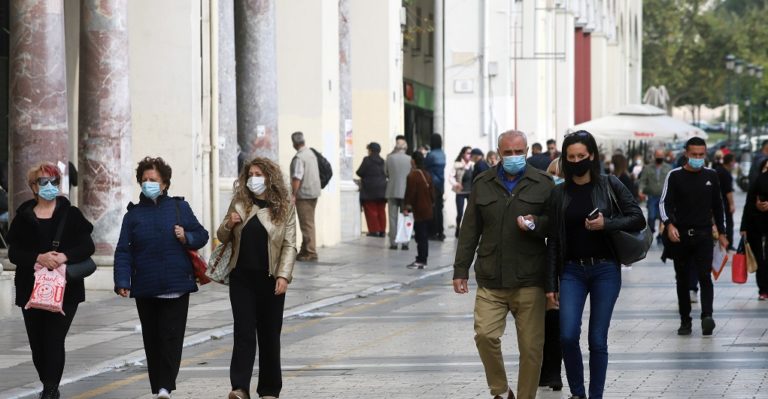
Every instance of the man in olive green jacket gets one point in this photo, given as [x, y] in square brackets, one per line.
[511, 262]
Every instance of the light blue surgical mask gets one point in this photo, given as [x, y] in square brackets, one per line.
[150, 189]
[558, 180]
[48, 192]
[696, 163]
[513, 164]
[256, 184]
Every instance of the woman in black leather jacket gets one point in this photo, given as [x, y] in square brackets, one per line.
[581, 259]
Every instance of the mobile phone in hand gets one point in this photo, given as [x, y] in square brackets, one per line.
[594, 214]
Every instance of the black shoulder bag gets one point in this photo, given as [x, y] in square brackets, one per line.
[629, 246]
[79, 270]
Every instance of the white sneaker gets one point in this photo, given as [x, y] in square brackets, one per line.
[694, 296]
[163, 394]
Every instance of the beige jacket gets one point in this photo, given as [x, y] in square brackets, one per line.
[282, 238]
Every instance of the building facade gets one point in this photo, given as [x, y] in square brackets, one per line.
[539, 66]
[205, 83]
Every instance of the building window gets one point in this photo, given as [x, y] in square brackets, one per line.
[430, 37]
[416, 45]
[406, 30]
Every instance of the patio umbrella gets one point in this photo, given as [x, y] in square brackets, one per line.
[640, 122]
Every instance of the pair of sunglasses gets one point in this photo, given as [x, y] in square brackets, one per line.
[580, 133]
[42, 181]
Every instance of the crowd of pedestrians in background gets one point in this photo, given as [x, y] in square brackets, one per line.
[540, 230]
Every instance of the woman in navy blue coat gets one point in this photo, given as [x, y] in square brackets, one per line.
[152, 266]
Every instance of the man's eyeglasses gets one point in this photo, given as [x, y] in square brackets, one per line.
[42, 181]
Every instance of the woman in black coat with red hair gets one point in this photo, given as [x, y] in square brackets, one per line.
[30, 242]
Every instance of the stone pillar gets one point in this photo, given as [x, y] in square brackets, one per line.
[256, 78]
[227, 91]
[439, 81]
[38, 92]
[345, 95]
[104, 127]
[309, 92]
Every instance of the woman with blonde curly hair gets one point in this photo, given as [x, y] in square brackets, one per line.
[261, 225]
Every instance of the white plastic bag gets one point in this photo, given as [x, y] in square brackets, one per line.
[719, 259]
[404, 228]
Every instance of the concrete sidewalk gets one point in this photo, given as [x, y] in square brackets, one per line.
[106, 335]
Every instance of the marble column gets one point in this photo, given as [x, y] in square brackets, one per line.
[438, 119]
[227, 90]
[256, 78]
[105, 119]
[38, 92]
[345, 94]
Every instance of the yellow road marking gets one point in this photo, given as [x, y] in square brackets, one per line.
[93, 393]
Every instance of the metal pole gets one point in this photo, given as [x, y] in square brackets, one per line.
[749, 122]
[729, 106]
[738, 122]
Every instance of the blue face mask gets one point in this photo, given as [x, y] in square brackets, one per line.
[513, 164]
[696, 163]
[558, 180]
[150, 189]
[48, 192]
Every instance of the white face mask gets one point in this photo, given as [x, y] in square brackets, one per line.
[256, 184]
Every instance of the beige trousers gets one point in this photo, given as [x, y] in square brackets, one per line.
[528, 306]
[305, 209]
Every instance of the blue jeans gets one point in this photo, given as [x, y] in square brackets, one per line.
[602, 282]
[653, 211]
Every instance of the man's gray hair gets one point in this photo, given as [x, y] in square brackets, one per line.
[511, 134]
[297, 138]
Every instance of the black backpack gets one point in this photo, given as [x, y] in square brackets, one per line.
[326, 172]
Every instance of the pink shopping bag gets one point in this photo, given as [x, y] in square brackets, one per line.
[48, 291]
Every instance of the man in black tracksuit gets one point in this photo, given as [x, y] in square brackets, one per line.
[690, 202]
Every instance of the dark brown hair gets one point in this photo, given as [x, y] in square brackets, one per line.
[620, 164]
[158, 164]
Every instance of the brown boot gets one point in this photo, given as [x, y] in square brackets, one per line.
[238, 394]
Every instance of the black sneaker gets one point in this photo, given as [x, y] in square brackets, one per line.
[404, 247]
[416, 265]
[556, 383]
[393, 246]
[50, 393]
[707, 325]
[685, 327]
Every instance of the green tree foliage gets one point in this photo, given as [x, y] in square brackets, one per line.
[685, 43]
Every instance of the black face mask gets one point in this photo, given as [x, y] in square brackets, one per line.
[659, 161]
[577, 168]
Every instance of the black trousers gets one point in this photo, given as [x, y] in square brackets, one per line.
[421, 231]
[759, 244]
[258, 316]
[46, 332]
[436, 228]
[163, 322]
[693, 254]
[729, 226]
[553, 354]
[461, 200]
